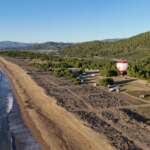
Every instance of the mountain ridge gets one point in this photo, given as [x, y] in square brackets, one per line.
[138, 46]
[8, 45]
[135, 47]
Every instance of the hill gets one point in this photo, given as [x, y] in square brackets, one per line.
[13, 45]
[135, 47]
[9, 45]
[50, 46]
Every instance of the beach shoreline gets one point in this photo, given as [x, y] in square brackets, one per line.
[16, 125]
[24, 114]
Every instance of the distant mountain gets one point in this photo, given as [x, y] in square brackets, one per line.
[50, 46]
[9, 45]
[135, 47]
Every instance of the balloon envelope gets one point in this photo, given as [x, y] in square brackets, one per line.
[122, 65]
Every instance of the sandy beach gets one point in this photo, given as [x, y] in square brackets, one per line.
[52, 125]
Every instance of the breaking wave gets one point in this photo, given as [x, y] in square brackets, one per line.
[10, 101]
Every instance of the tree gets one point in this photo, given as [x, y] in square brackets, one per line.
[106, 81]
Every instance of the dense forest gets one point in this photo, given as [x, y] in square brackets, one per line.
[132, 48]
[140, 68]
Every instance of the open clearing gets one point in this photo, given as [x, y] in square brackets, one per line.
[133, 86]
[119, 117]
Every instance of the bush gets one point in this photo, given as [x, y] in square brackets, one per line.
[113, 73]
[75, 81]
[61, 72]
[108, 72]
[106, 81]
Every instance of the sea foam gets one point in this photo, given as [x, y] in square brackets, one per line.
[10, 100]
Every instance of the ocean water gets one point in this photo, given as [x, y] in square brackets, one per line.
[5, 92]
[14, 134]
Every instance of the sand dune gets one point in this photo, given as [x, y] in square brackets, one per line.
[53, 126]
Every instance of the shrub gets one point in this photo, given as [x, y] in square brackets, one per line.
[106, 81]
[108, 72]
[59, 72]
[75, 81]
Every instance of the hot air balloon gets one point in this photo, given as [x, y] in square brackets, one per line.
[122, 66]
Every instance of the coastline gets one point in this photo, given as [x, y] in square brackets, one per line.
[19, 135]
[51, 125]
[24, 114]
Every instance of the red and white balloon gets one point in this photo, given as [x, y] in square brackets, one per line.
[122, 65]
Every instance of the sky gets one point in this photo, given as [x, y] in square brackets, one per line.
[72, 20]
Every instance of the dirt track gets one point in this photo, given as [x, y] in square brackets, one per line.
[112, 115]
[53, 126]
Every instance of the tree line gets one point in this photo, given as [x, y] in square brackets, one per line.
[60, 65]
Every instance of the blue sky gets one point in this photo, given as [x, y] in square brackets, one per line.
[72, 20]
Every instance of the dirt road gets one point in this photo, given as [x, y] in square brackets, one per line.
[53, 126]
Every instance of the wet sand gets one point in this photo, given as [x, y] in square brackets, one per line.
[14, 134]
